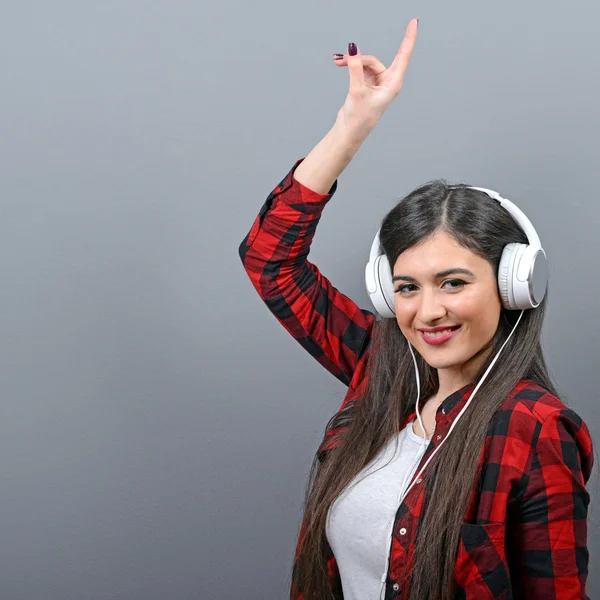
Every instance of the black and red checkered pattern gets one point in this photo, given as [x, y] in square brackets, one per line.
[524, 534]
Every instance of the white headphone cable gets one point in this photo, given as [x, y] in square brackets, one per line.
[464, 407]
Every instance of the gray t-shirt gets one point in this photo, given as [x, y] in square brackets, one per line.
[360, 521]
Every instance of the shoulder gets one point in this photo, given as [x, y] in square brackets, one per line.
[534, 421]
[530, 402]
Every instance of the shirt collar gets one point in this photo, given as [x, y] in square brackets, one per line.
[450, 406]
[454, 403]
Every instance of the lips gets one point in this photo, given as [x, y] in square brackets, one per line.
[441, 336]
[436, 329]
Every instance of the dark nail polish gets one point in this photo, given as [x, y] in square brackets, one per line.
[338, 56]
[352, 49]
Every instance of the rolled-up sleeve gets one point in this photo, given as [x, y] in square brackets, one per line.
[274, 253]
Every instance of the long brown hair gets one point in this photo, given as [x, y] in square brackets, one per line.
[365, 424]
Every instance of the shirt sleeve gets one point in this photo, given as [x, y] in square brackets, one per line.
[551, 533]
[274, 254]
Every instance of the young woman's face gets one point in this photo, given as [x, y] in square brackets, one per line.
[427, 298]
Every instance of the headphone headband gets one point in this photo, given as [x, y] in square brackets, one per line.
[517, 214]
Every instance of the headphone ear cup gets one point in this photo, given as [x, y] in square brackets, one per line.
[386, 283]
[506, 270]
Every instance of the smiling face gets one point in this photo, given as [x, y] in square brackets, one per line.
[426, 298]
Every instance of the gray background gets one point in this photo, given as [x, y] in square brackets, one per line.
[157, 424]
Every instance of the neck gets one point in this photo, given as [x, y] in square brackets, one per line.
[455, 377]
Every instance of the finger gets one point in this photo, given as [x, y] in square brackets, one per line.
[370, 63]
[402, 58]
[355, 69]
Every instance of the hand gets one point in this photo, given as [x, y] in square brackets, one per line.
[372, 86]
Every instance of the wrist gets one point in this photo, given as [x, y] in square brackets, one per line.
[352, 137]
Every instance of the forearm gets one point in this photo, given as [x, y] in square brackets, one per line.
[326, 161]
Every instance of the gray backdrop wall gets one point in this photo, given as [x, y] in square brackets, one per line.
[157, 424]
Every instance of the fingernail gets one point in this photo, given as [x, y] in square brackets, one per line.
[338, 56]
[352, 49]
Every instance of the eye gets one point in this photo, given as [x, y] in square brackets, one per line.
[458, 284]
[403, 288]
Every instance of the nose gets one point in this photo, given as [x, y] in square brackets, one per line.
[430, 308]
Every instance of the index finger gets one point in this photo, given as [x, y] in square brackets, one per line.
[402, 58]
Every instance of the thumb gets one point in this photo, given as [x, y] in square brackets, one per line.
[355, 68]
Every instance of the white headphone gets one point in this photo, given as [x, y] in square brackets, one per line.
[522, 274]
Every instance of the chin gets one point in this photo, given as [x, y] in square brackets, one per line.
[441, 363]
[451, 365]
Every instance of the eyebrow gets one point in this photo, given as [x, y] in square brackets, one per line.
[437, 275]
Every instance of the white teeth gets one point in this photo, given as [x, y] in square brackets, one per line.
[437, 333]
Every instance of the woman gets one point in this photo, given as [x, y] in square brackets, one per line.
[501, 510]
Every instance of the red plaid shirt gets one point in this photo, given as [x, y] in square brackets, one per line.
[524, 534]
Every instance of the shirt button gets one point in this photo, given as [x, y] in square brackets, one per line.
[402, 531]
[444, 410]
[439, 437]
[396, 587]
[419, 480]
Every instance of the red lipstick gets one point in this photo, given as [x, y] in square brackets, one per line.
[438, 338]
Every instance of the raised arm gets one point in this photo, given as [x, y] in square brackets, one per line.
[326, 323]
[274, 252]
